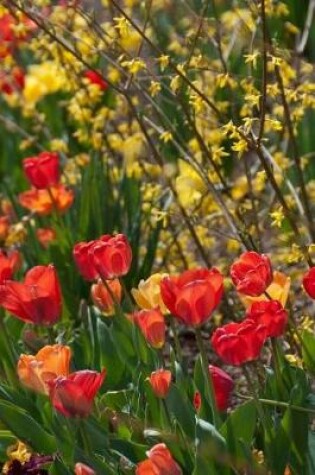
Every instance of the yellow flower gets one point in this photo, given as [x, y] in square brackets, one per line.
[148, 294]
[42, 79]
[189, 184]
[278, 290]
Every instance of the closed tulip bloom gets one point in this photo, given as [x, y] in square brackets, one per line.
[94, 77]
[103, 298]
[9, 263]
[148, 293]
[84, 260]
[112, 256]
[271, 314]
[43, 202]
[49, 363]
[309, 282]
[45, 236]
[82, 469]
[239, 343]
[4, 227]
[193, 295]
[160, 462]
[277, 290]
[251, 273]
[74, 395]
[223, 386]
[152, 326]
[160, 381]
[37, 300]
[43, 170]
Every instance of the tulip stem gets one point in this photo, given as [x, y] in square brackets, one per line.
[178, 348]
[85, 441]
[8, 345]
[208, 380]
[284, 405]
[264, 419]
[59, 219]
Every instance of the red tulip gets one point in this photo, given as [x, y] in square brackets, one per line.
[74, 395]
[238, 343]
[9, 263]
[223, 386]
[251, 273]
[82, 469]
[160, 381]
[95, 78]
[84, 259]
[37, 300]
[193, 295]
[309, 282]
[160, 462]
[43, 170]
[197, 400]
[271, 314]
[14, 81]
[152, 326]
[111, 256]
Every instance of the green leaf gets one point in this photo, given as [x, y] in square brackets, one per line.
[182, 409]
[239, 428]
[20, 423]
[210, 448]
[308, 350]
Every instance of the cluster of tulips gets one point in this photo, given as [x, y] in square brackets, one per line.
[190, 297]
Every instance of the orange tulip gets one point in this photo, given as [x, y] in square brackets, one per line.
[45, 236]
[44, 202]
[4, 227]
[160, 381]
[152, 326]
[49, 363]
[159, 462]
[82, 469]
[102, 298]
[277, 290]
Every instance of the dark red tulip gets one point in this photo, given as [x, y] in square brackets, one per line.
[111, 256]
[95, 78]
[37, 300]
[309, 282]
[271, 314]
[9, 263]
[74, 395]
[238, 343]
[251, 273]
[193, 295]
[43, 170]
[223, 386]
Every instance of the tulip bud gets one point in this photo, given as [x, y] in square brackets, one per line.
[103, 297]
[152, 326]
[42, 171]
[160, 381]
